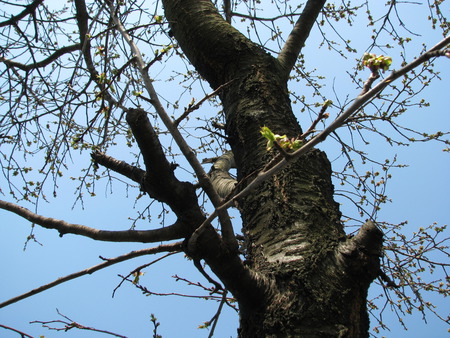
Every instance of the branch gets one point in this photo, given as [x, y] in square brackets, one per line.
[82, 17]
[199, 267]
[133, 173]
[29, 9]
[258, 18]
[385, 278]
[159, 180]
[148, 142]
[175, 247]
[367, 95]
[205, 182]
[216, 316]
[369, 238]
[70, 324]
[138, 270]
[22, 334]
[43, 63]
[220, 178]
[175, 231]
[196, 106]
[321, 116]
[362, 253]
[227, 10]
[296, 39]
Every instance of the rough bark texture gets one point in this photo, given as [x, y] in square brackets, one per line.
[314, 280]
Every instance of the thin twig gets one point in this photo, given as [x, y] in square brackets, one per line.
[322, 115]
[193, 107]
[199, 267]
[175, 247]
[70, 324]
[215, 319]
[23, 334]
[139, 268]
[148, 292]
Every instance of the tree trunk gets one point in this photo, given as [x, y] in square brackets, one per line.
[315, 278]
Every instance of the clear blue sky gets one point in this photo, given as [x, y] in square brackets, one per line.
[420, 194]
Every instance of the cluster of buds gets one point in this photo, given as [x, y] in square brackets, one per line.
[376, 62]
[282, 140]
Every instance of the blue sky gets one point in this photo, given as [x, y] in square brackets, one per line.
[420, 194]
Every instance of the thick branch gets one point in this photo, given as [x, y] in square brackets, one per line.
[82, 17]
[368, 239]
[175, 247]
[184, 147]
[176, 231]
[227, 10]
[45, 62]
[133, 173]
[159, 180]
[361, 254]
[154, 158]
[220, 177]
[296, 40]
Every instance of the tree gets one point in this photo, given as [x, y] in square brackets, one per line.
[82, 78]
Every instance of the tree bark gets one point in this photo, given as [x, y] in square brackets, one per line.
[315, 278]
